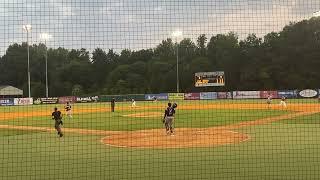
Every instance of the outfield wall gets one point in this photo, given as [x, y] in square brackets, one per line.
[306, 93]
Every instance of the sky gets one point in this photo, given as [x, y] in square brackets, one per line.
[138, 24]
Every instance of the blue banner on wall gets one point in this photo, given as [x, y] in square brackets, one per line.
[208, 95]
[150, 97]
[288, 94]
[7, 102]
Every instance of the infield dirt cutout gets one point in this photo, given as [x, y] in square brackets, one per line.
[183, 138]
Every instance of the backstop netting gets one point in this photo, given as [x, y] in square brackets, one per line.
[159, 89]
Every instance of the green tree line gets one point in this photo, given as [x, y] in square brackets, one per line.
[288, 59]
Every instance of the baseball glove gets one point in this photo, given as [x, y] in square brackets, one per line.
[175, 105]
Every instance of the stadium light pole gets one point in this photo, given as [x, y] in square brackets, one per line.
[28, 28]
[176, 35]
[45, 37]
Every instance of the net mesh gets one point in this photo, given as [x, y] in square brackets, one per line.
[110, 68]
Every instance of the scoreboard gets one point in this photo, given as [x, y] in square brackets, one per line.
[205, 79]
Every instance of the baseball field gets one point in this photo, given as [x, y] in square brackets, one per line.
[214, 139]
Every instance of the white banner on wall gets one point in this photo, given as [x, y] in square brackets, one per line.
[208, 95]
[246, 94]
[23, 101]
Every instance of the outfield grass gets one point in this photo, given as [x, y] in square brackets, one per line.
[280, 151]
[116, 121]
[287, 149]
[309, 119]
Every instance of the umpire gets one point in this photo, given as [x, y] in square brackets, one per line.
[113, 103]
[56, 116]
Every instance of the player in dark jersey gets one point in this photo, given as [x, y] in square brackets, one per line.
[168, 119]
[113, 104]
[57, 117]
[68, 109]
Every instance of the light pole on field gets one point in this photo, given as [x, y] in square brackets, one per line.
[176, 35]
[45, 37]
[28, 28]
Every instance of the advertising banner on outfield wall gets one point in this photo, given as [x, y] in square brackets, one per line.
[287, 93]
[176, 96]
[192, 96]
[308, 93]
[151, 97]
[136, 97]
[266, 94]
[64, 100]
[224, 95]
[23, 101]
[87, 99]
[246, 94]
[208, 95]
[50, 100]
[121, 98]
[6, 102]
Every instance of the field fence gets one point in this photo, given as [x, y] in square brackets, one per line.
[111, 89]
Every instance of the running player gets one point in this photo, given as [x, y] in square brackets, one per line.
[283, 102]
[133, 103]
[269, 100]
[68, 109]
[168, 119]
[57, 117]
[155, 99]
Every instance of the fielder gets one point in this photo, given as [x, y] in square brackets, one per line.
[269, 100]
[133, 103]
[283, 102]
[68, 107]
[168, 118]
[57, 117]
[155, 99]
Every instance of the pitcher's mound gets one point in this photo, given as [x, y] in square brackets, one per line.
[184, 137]
[144, 115]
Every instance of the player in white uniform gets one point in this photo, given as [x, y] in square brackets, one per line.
[269, 100]
[68, 107]
[133, 103]
[283, 102]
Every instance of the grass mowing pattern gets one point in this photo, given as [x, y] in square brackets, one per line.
[280, 150]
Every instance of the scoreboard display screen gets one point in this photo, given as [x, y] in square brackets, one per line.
[205, 79]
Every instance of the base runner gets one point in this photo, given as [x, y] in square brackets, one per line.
[57, 117]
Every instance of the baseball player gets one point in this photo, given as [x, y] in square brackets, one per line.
[269, 100]
[155, 99]
[113, 104]
[68, 107]
[168, 118]
[283, 102]
[133, 103]
[57, 117]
